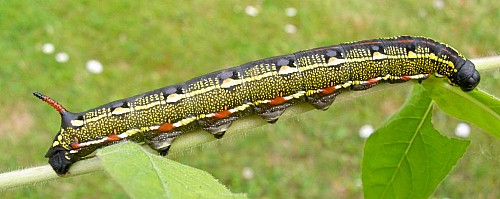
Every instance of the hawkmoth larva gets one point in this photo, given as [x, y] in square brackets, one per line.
[264, 87]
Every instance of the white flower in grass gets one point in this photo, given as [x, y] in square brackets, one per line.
[290, 12]
[462, 130]
[290, 29]
[94, 66]
[247, 173]
[438, 4]
[251, 11]
[366, 130]
[62, 57]
[48, 48]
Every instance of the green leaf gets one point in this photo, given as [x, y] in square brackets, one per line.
[146, 175]
[406, 157]
[476, 107]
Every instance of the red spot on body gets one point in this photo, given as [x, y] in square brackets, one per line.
[406, 78]
[75, 145]
[277, 101]
[112, 138]
[166, 127]
[372, 81]
[328, 90]
[222, 114]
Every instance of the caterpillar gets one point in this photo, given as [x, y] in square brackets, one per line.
[265, 87]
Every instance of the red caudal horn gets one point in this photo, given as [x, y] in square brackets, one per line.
[59, 108]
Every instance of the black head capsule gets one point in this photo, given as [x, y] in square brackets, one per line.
[59, 154]
[467, 76]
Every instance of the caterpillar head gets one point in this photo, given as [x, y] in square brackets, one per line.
[467, 77]
[59, 155]
[60, 159]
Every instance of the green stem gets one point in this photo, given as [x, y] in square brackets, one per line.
[33, 175]
[487, 63]
[187, 141]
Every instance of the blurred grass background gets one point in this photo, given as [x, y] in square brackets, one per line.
[147, 45]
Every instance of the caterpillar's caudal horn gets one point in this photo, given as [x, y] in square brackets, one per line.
[59, 108]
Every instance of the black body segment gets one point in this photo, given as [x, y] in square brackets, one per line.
[265, 87]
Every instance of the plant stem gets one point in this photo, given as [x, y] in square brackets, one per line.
[45, 173]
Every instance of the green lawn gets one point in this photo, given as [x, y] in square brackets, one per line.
[144, 46]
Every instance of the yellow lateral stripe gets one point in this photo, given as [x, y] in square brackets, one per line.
[229, 82]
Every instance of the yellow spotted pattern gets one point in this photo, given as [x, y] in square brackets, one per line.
[256, 84]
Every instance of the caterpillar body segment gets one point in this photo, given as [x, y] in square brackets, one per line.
[265, 87]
